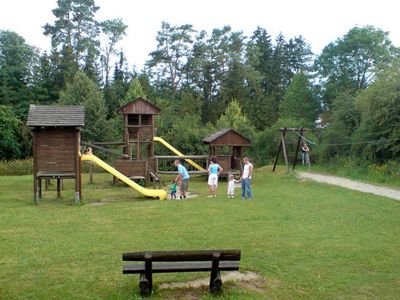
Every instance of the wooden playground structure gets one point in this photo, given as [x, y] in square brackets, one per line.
[57, 155]
[227, 146]
[56, 145]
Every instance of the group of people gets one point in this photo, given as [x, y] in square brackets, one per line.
[214, 170]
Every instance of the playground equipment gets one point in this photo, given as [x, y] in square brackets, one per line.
[180, 154]
[282, 146]
[161, 194]
[56, 147]
[227, 145]
[138, 139]
[56, 142]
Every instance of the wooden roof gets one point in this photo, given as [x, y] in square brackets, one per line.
[227, 137]
[139, 106]
[56, 115]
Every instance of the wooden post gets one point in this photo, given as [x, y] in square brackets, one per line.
[297, 149]
[138, 145]
[215, 278]
[46, 184]
[90, 173]
[144, 285]
[40, 188]
[284, 150]
[277, 154]
[35, 168]
[148, 272]
[76, 167]
[58, 188]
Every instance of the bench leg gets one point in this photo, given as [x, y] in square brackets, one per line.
[215, 278]
[148, 270]
[144, 285]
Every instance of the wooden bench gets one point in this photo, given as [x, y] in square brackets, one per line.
[181, 261]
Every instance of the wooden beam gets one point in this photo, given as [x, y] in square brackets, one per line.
[292, 129]
[181, 157]
[284, 150]
[297, 150]
[184, 255]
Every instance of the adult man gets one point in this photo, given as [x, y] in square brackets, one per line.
[247, 172]
[182, 178]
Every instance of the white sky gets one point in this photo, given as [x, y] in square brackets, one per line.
[318, 21]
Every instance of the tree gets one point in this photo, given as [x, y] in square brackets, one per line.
[299, 102]
[379, 106]
[17, 61]
[343, 122]
[170, 59]
[116, 91]
[74, 35]
[113, 30]
[135, 90]
[350, 63]
[9, 133]
[233, 118]
[83, 91]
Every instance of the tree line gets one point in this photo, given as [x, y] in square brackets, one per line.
[347, 96]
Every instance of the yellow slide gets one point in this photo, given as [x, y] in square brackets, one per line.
[173, 149]
[161, 194]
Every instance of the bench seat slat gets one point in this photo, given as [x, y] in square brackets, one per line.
[184, 255]
[181, 267]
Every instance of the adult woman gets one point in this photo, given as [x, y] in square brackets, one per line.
[213, 170]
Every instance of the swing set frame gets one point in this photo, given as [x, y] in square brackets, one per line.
[282, 146]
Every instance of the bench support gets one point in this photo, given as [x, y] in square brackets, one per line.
[146, 281]
[215, 277]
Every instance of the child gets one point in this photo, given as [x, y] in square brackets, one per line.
[231, 186]
[172, 190]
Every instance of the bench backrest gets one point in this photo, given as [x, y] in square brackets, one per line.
[185, 255]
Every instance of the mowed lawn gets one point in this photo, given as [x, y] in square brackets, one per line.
[307, 240]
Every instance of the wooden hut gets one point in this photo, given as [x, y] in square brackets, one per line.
[227, 146]
[138, 136]
[56, 145]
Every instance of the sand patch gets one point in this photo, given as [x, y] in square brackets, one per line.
[245, 277]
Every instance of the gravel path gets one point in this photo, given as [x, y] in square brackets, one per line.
[352, 184]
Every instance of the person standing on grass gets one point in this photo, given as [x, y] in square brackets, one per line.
[214, 170]
[305, 154]
[247, 173]
[182, 179]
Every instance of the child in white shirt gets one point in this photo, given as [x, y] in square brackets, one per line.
[231, 186]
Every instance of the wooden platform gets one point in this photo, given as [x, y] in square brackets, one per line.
[54, 175]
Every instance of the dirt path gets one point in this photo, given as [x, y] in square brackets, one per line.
[353, 185]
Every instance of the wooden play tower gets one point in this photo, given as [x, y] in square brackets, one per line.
[138, 138]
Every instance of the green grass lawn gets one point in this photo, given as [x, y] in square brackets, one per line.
[308, 240]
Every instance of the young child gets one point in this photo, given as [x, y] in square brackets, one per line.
[231, 186]
[172, 190]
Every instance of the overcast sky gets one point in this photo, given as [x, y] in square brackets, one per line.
[318, 21]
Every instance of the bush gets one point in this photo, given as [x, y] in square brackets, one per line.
[16, 167]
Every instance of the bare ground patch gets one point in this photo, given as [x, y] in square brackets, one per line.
[195, 289]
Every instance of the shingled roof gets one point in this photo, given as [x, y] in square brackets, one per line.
[227, 136]
[56, 115]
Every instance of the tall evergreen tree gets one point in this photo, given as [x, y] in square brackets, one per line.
[83, 91]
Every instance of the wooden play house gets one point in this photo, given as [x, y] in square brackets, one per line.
[227, 145]
[56, 145]
[138, 138]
